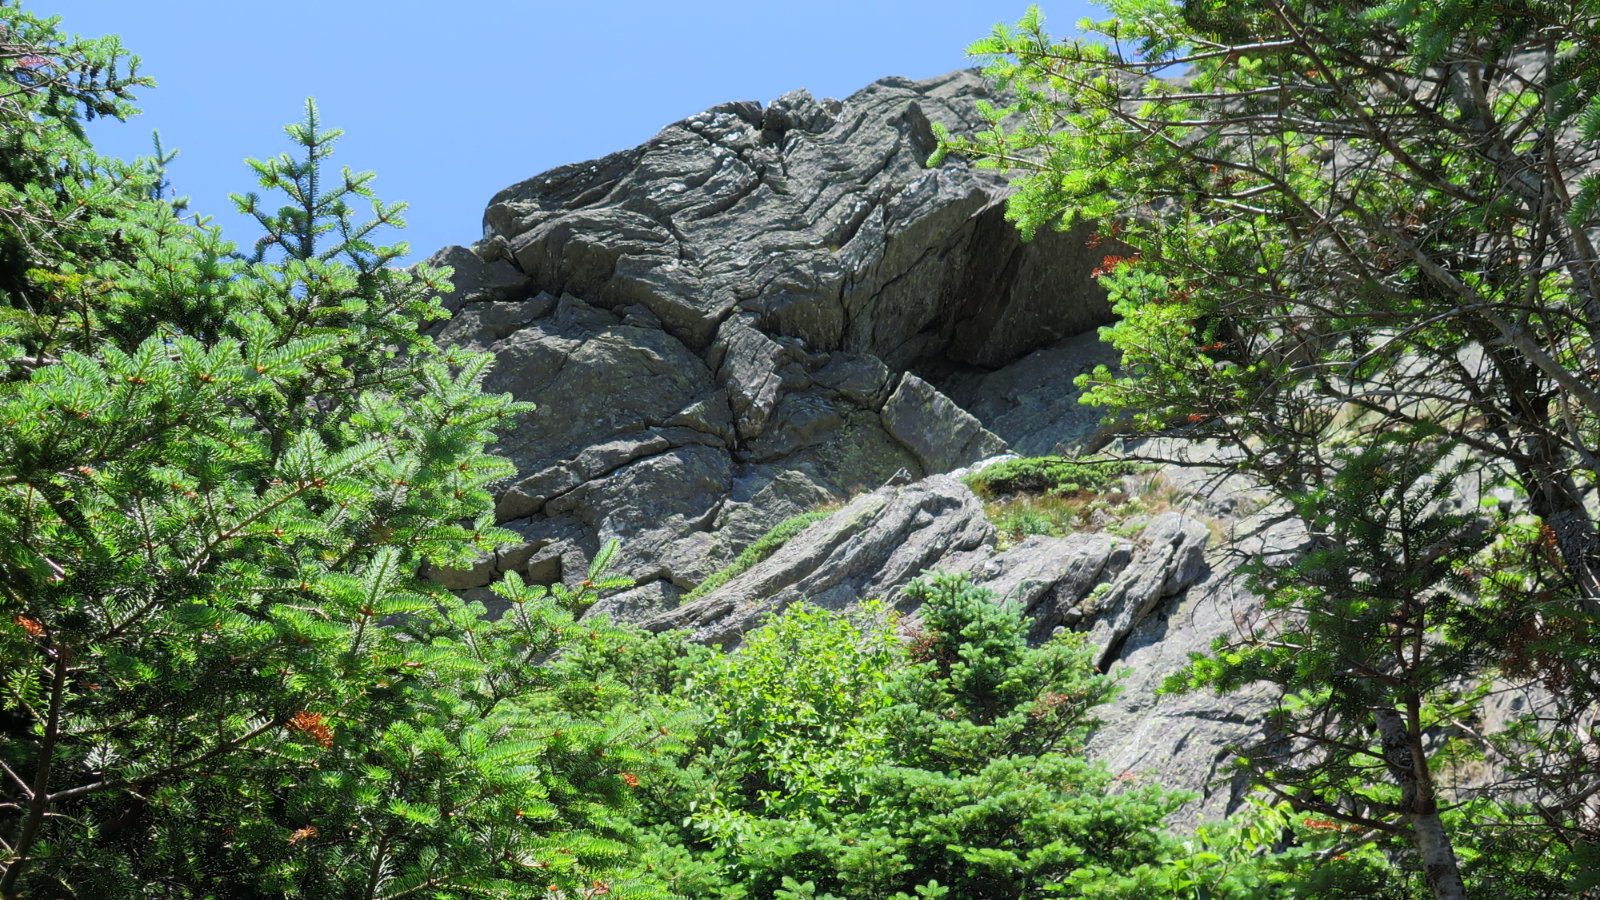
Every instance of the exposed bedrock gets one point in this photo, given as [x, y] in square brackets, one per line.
[719, 326]
[764, 311]
[814, 219]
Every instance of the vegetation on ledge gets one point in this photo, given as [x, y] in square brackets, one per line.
[759, 552]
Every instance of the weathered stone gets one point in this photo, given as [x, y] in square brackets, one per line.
[863, 380]
[1032, 404]
[941, 434]
[872, 547]
[712, 416]
[646, 599]
[594, 384]
[858, 457]
[760, 500]
[800, 420]
[651, 505]
[1182, 740]
[476, 279]
[797, 110]
[818, 218]
[480, 573]
[1051, 576]
[1172, 558]
[544, 567]
[478, 324]
[754, 369]
[493, 603]
[602, 459]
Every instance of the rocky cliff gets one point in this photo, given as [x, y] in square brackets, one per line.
[769, 310]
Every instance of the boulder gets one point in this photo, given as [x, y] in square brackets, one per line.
[476, 279]
[873, 547]
[1172, 557]
[941, 434]
[1050, 577]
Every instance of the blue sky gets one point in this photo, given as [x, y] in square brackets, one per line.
[450, 102]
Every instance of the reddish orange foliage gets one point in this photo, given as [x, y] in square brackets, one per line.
[1111, 263]
[311, 725]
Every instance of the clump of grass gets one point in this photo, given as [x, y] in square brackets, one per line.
[1020, 523]
[1051, 475]
[1017, 518]
[756, 553]
[1054, 496]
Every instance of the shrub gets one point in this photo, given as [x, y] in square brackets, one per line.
[1050, 475]
[838, 759]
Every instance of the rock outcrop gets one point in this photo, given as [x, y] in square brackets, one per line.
[725, 326]
[764, 310]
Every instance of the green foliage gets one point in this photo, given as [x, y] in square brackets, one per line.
[1051, 475]
[1341, 226]
[1017, 524]
[1054, 496]
[218, 480]
[756, 553]
[795, 704]
[840, 760]
[55, 196]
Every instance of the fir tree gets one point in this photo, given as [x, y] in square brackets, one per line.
[218, 480]
[840, 760]
[1346, 222]
[1372, 641]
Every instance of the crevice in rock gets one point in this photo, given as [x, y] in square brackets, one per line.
[729, 202]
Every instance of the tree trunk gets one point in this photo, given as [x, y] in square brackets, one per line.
[1422, 810]
[1438, 857]
[39, 793]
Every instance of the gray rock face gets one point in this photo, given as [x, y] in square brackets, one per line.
[1174, 558]
[817, 220]
[732, 306]
[720, 329]
[941, 434]
[873, 547]
[1032, 404]
[1181, 740]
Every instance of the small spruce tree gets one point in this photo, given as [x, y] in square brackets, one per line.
[219, 477]
[837, 759]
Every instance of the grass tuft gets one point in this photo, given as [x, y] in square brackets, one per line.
[1051, 475]
[756, 553]
[1053, 496]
